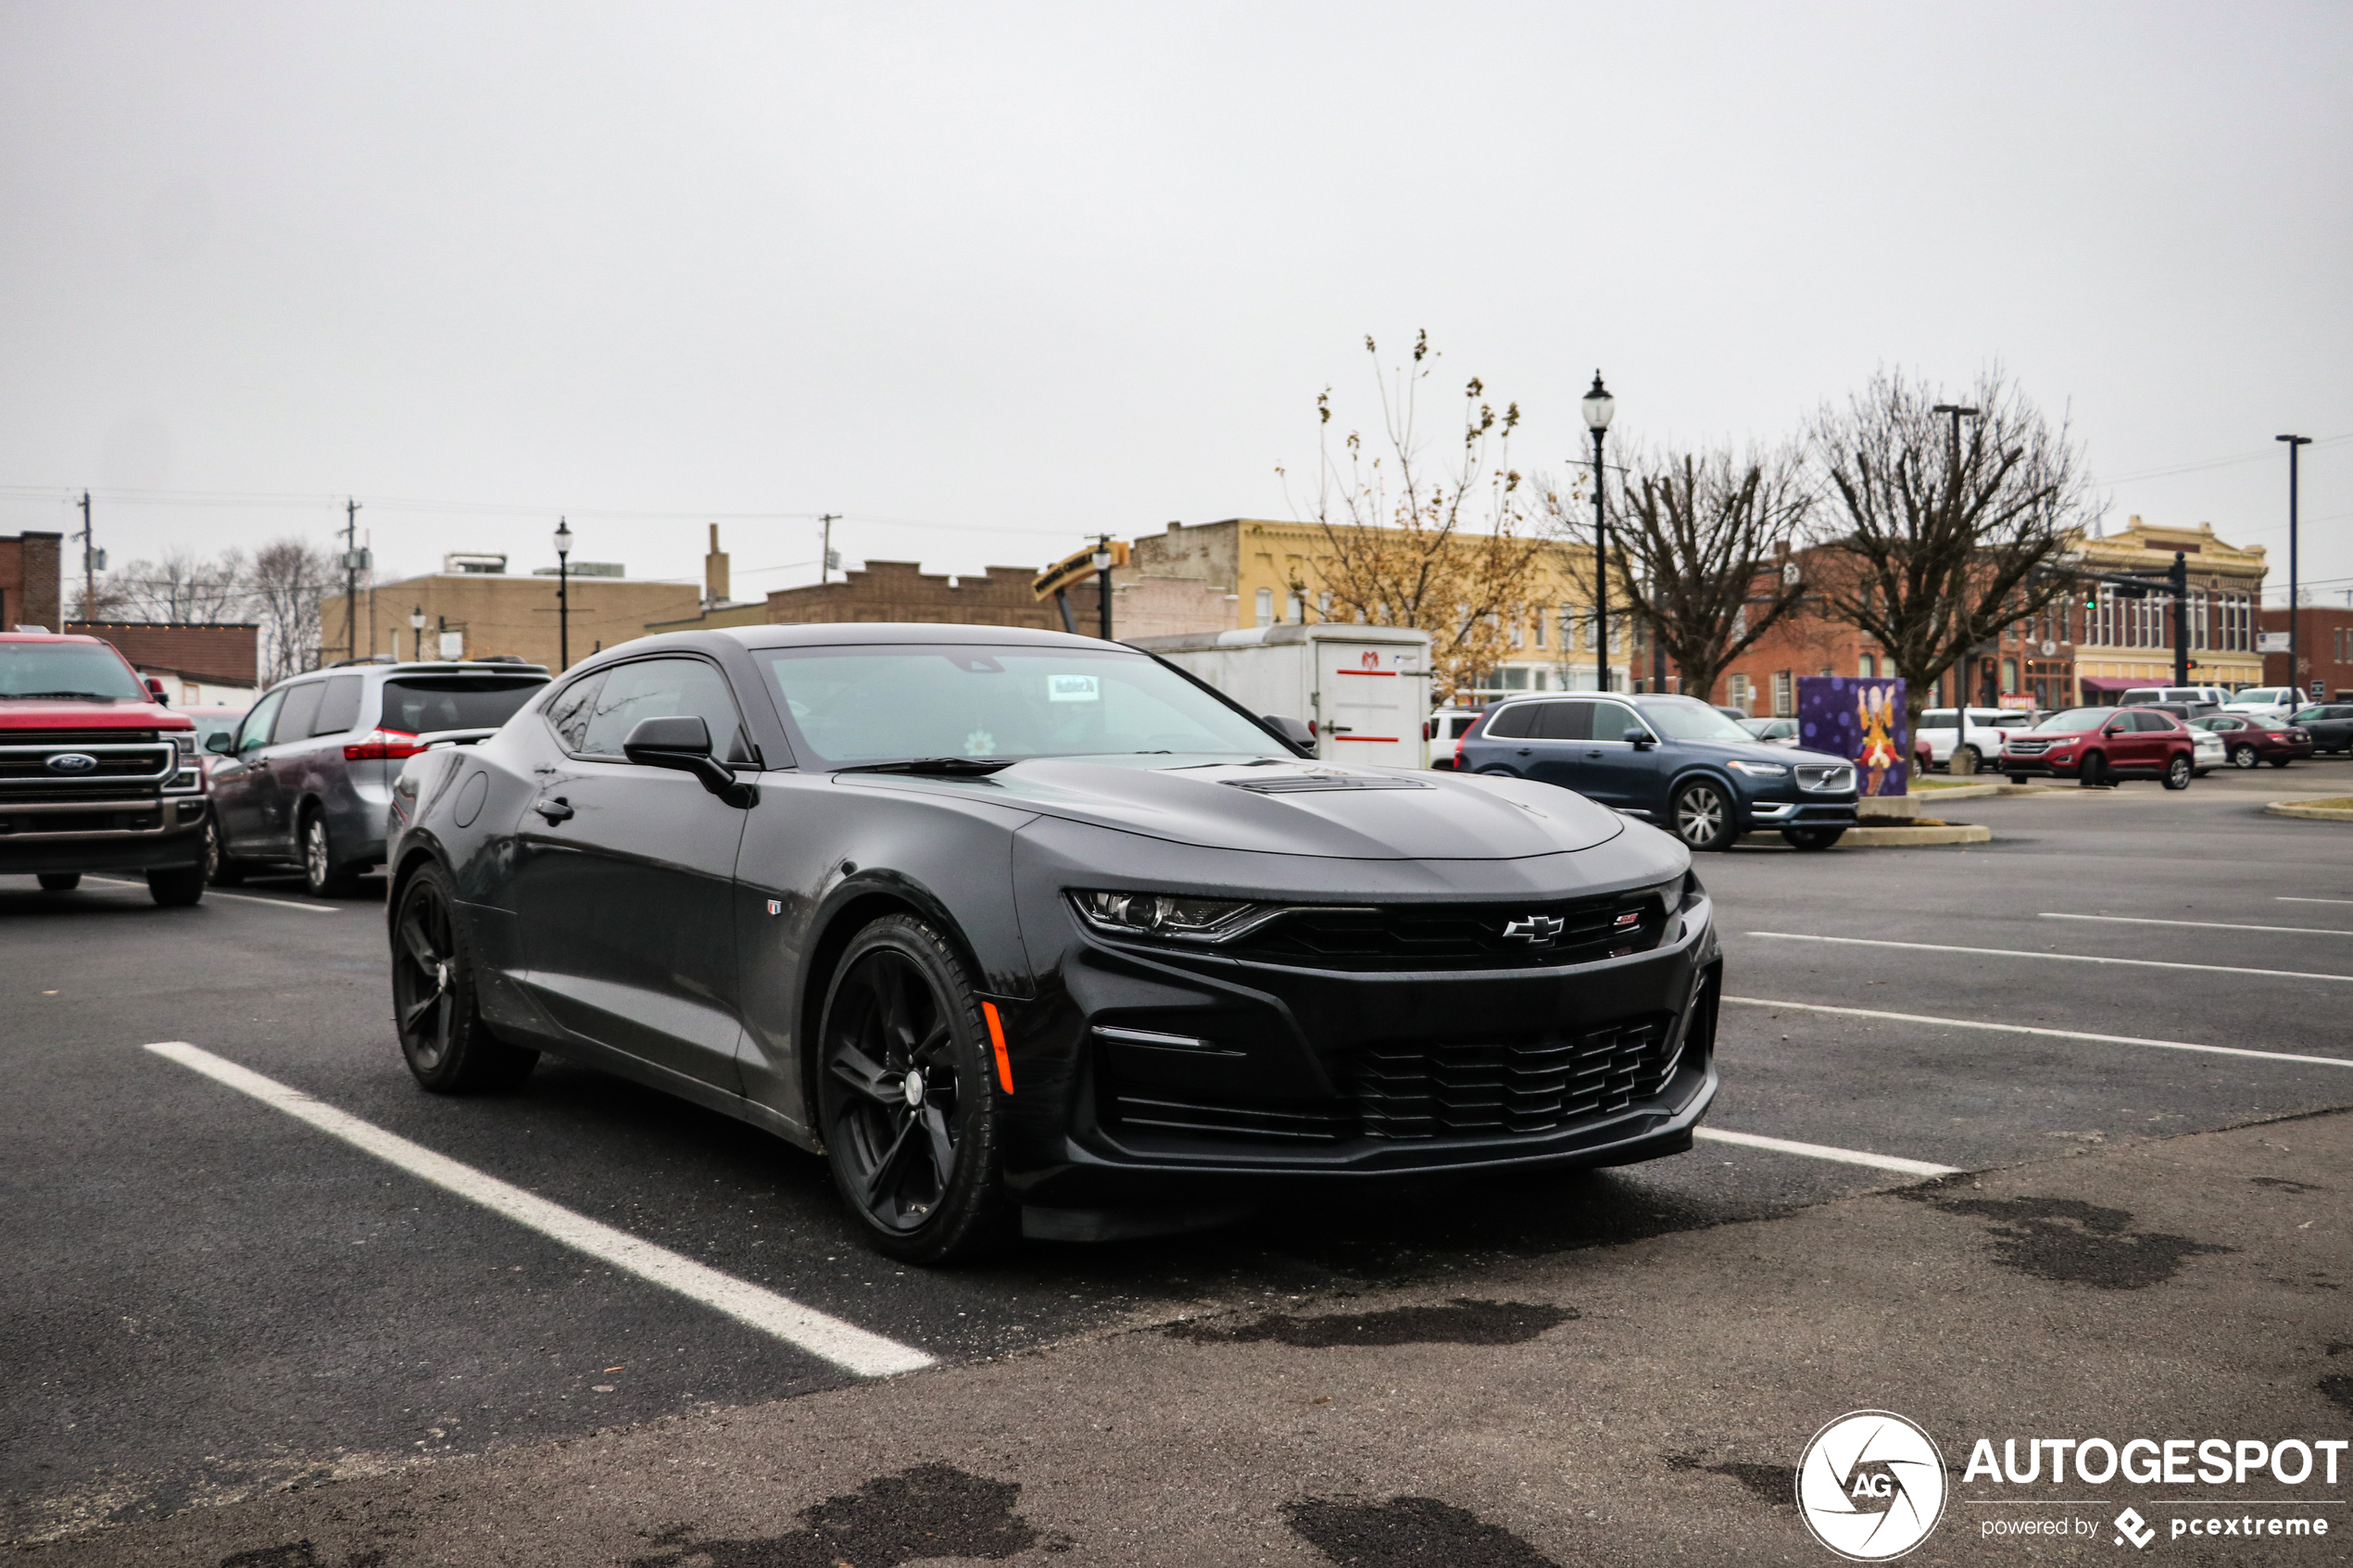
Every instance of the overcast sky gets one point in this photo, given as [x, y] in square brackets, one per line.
[989, 279]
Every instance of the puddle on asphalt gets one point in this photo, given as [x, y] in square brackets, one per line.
[1407, 1533]
[1460, 1322]
[2073, 1242]
[931, 1510]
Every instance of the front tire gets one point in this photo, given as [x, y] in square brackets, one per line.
[1965, 760]
[907, 1097]
[220, 869]
[449, 1047]
[1813, 838]
[176, 887]
[2177, 773]
[1703, 816]
[2282, 761]
[325, 877]
[2244, 756]
[2018, 778]
[60, 882]
[2092, 773]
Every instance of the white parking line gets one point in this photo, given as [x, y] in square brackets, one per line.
[2292, 899]
[2060, 958]
[2204, 924]
[2053, 1034]
[241, 897]
[844, 1344]
[1823, 1151]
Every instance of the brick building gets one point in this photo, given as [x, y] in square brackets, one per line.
[2325, 651]
[201, 664]
[29, 582]
[472, 610]
[902, 590]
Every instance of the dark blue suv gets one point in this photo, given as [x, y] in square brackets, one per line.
[1673, 762]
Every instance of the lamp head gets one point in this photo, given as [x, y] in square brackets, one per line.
[1599, 404]
[564, 538]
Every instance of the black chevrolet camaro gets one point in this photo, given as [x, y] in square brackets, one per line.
[1032, 933]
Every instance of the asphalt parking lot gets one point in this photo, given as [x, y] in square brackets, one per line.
[210, 1301]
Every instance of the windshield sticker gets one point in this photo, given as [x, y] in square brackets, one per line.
[1072, 688]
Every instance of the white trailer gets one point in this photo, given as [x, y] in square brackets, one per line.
[1365, 690]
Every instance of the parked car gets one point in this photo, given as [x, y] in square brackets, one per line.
[1034, 935]
[306, 780]
[2329, 723]
[211, 722]
[2185, 711]
[96, 775]
[1772, 732]
[2279, 701]
[2100, 745]
[2158, 696]
[1941, 729]
[1737, 715]
[1673, 761]
[2252, 738]
[1445, 728]
[2210, 752]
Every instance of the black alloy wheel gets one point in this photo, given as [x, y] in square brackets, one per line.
[176, 887]
[448, 1046]
[324, 875]
[907, 1097]
[2243, 756]
[2177, 773]
[60, 882]
[1813, 838]
[220, 868]
[1703, 815]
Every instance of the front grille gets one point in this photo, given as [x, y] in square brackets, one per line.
[70, 738]
[82, 822]
[1411, 936]
[1421, 1089]
[2026, 747]
[1824, 776]
[48, 791]
[112, 766]
[1486, 1089]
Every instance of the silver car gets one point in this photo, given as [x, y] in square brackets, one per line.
[305, 778]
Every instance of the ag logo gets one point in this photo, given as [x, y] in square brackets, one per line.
[1870, 1487]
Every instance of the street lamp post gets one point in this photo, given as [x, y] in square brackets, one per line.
[563, 595]
[1599, 406]
[1101, 562]
[1961, 681]
[2294, 644]
[417, 634]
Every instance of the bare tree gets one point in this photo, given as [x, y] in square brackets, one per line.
[1698, 551]
[1932, 543]
[184, 586]
[284, 585]
[110, 603]
[1445, 549]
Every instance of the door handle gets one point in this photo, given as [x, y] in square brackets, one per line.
[556, 811]
[1525, 751]
[1593, 754]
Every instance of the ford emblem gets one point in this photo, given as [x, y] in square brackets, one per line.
[73, 762]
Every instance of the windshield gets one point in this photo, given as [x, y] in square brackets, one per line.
[419, 705]
[1690, 719]
[897, 702]
[65, 672]
[2078, 719]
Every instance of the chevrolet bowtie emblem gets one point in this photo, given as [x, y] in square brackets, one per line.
[1537, 929]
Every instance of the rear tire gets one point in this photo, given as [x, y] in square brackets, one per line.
[1813, 838]
[176, 887]
[60, 882]
[321, 873]
[2244, 756]
[1701, 813]
[908, 1096]
[449, 1047]
[2177, 773]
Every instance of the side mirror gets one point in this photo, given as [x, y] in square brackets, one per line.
[155, 690]
[682, 742]
[221, 744]
[1298, 737]
[1639, 737]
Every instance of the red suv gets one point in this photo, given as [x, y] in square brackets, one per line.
[2097, 745]
[96, 775]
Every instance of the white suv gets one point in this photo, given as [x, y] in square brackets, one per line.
[2278, 701]
[1940, 728]
[2142, 696]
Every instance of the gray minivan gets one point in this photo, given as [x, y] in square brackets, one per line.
[308, 776]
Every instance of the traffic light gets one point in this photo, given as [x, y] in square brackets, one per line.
[2091, 599]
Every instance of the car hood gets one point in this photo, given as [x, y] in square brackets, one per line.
[1760, 751]
[1293, 807]
[46, 713]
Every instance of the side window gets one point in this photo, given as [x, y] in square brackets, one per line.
[254, 734]
[1515, 722]
[1566, 721]
[294, 719]
[2155, 724]
[1611, 720]
[569, 713]
[660, 688]
[339, 707]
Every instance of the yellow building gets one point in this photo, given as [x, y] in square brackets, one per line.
[2130, 642]
[473, 609]
[1249, 565]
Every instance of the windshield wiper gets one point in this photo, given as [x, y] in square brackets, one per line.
[938, 767]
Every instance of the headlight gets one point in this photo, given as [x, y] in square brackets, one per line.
[1166, 915]
[1758, 770]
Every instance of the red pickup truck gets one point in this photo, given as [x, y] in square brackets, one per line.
[96, 775]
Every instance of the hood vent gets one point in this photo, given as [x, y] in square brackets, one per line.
[1316, 784]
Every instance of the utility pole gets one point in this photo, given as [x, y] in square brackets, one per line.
[2179, 575]
[350, 578]
[2295, 608]
[91, 562]
[825, 556]
[1967, 677]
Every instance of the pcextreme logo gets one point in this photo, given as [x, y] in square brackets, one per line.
[1870, 1486]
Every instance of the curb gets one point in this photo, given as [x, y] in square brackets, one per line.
[1913, 838]
[2310, 813]
[1979, 792]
